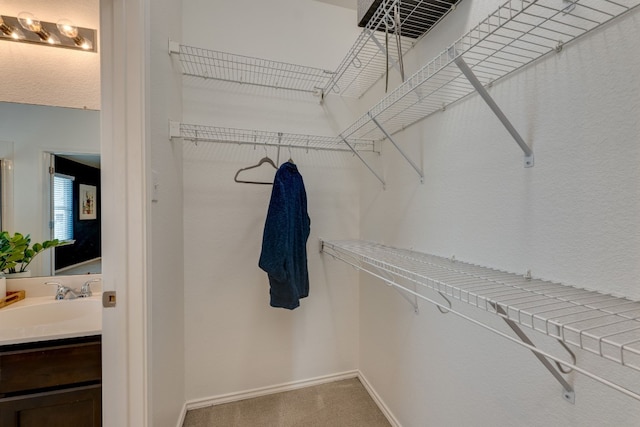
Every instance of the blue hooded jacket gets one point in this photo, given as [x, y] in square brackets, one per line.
[286, 230]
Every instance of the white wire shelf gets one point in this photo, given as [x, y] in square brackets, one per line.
[196, 133]
[601, 324]
[365, 63]
[516, 34]
[228, 67]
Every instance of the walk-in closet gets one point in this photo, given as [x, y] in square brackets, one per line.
[472, 183]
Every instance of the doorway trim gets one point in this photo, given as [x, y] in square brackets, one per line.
[124, 76]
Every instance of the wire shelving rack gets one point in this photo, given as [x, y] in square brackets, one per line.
[229, 67]
[197, 133]
[365, 63]
[516, 34]
[605, 325]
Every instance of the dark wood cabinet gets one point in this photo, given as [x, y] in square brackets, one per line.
[56, 383]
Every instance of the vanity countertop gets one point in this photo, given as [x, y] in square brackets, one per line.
[42, 318]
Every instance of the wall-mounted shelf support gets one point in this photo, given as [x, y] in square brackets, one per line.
[477, 84]
[411, 298]
[386, 134]
[444, 310]
[568, 393]
[364, 161]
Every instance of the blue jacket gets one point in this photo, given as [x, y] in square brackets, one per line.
[286, 230]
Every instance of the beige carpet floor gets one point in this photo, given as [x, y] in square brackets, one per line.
[343, 403]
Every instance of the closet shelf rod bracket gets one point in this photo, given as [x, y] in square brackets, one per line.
[364, 161]
[568, 393]
[174, 47]
[386, 134]
[477, 85]
[174, 129]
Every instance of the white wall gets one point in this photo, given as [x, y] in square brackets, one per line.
[234, 341]
[35, 74]
[572, 218]
[166, 290]
[29, 131]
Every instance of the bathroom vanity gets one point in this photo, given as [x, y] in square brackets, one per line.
[51, 383]
[51, 358]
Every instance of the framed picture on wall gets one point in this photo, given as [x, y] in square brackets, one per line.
[88, 201]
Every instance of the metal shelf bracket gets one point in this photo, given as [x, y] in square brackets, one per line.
[444, 310]
[174, 47]
[364, 161]
[390, 281]
[567, 393]
[174, 129]
[477, 85]
[386, 134]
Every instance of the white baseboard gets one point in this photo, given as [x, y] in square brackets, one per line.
[183, 414]
[376, 398]
[263, 391]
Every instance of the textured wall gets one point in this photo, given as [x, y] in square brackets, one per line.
[572, 218]
[35, 74]
[234, 340]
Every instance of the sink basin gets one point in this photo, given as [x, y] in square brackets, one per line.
[43, 318]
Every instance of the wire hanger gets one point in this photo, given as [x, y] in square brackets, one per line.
[262, 161]
[290, 157]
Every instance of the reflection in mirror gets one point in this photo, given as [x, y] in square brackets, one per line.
[75, 213]
[29, 134]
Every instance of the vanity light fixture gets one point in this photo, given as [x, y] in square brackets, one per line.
[62, 34]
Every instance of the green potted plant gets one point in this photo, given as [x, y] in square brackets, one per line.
[16, 252]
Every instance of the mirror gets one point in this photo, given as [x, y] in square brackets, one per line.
[33, 139]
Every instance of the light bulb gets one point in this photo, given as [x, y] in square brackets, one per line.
[29, 22]
[67, 28]
[10, 31]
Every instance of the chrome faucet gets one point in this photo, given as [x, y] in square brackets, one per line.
[85, 290]
[63, 291]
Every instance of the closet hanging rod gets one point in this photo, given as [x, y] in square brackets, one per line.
[602, 324]
[515, 35]
[217, 134]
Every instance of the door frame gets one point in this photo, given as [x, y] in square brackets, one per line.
[124, 45]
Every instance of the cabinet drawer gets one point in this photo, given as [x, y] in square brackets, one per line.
[46, 367]
[75, 407]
